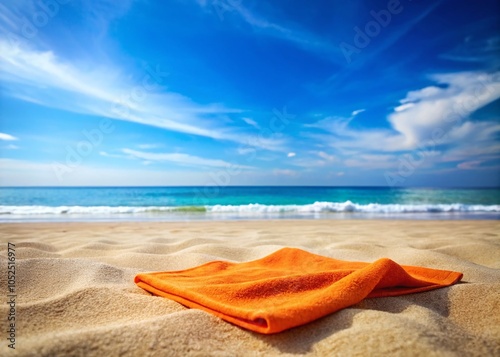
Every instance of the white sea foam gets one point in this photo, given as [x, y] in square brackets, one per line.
[79, 210]
[317, 207]
[348, 206]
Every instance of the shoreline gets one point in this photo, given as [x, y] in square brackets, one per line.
[75, 292]
[275, 220]
[256, 222]
[228, 217]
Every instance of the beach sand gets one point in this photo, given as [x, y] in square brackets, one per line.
[76, 295]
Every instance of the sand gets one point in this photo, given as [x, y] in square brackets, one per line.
[76, 296]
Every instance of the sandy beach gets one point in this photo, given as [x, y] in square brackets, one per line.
[75, 294]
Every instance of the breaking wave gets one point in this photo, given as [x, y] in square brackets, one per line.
[254, 209]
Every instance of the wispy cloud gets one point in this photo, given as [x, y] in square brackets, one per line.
[433, 116]
[251, 122]
[326, 156]
[32, 173]
[7, 137]
[394, 36]
[106, 92]
[181, 159]
[474, 149]
[476, 50]
[385, 40]
[469, 165]
[26, 19]
[342, 137]
[370, 161]
[285, 172]
[148, 146]
[301, 38]
[117, 156]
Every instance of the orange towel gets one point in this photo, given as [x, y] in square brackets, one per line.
[288, 288]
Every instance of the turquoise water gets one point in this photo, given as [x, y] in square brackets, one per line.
[191, 203]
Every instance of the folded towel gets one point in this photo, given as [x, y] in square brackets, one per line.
[288, 288]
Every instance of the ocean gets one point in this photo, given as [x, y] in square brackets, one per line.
[35, 204]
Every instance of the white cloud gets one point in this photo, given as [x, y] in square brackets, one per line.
[445, 108]
[326, 156]
[291, 154]
[91, 88]
[251, 122]
[356, 112]
[29, 173]
[403, 107]
[7, 137]
[274, 142]
[246, 150]
[311, 162]
[181, 159]
[341, 137]
[429, 117]
[118, 156]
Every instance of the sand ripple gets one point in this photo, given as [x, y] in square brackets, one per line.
[76, 294]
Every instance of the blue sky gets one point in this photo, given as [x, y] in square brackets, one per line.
[241, 92]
